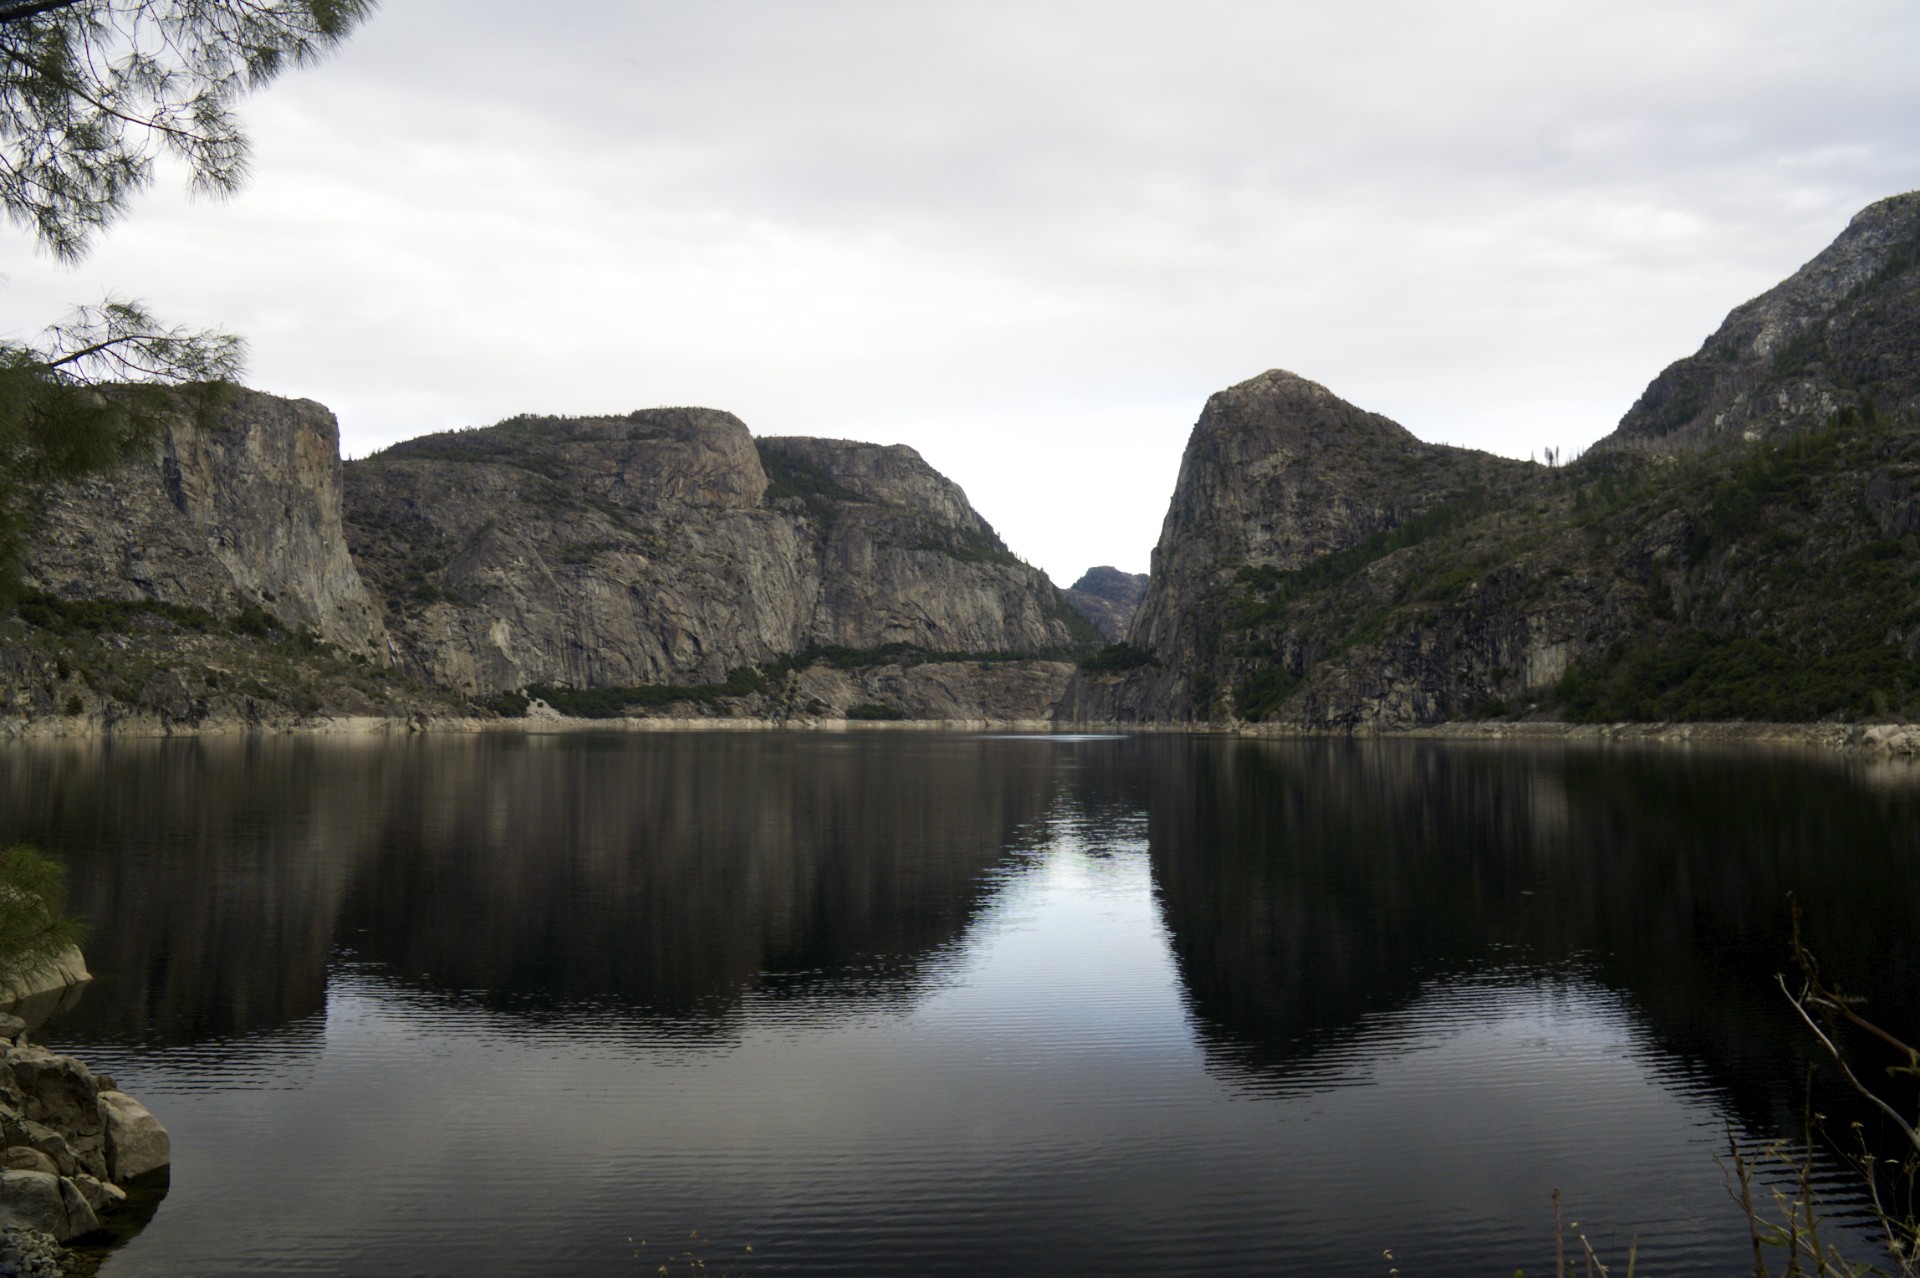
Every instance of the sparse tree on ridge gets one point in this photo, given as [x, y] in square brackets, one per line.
[92, 94]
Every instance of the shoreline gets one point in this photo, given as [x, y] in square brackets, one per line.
[1879, 738]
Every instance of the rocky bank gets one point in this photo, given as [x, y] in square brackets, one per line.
[70, 1141]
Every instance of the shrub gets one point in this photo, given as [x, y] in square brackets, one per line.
[508, 705]
[35, 928]
[1117, 657]
[252, 621]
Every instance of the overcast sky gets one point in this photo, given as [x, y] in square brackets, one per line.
[1027, 238]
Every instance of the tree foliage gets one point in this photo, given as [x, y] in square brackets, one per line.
[92, 392]
[92, 91]
[92, 94]
[35, 929]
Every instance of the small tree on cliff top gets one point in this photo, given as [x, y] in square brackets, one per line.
[92, 93]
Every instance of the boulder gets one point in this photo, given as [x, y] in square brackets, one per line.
[59, 1093]
[27, 1158]
[81, 1218]
[67, 968]
[100, 1196]
[136, 1142]
[47, 1203]
[31, 999]
[24, 1133]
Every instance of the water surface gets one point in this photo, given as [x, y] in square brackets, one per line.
[897, 1003]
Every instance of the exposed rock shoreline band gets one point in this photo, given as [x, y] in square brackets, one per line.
[1886, 739]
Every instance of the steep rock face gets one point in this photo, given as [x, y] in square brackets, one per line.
[246, 511]
[1108, 597]
[609, 551]
[1745, 546]
[1279, 473]
[903, 558]
[1842, 331]
[668, 547]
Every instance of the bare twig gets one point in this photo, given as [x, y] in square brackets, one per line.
[1846, 1070]
[1559, 1240]
[1744, 1175]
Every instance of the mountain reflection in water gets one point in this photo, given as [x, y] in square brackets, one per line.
[884, 1003]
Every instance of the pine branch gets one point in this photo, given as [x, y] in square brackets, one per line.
[33, 9]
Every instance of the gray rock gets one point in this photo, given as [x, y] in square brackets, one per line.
[1830, 336]
[997, 692]
[668, 546]
[25, 1133]
[1108, 598]
[60, 1095]
[27, 1158]
[101, 1197]
[81, 1218]
[136, 1142]
[30, 1253]
[31, 1199]
[36, 1200]
[1279, 472]
[246, 512]
[66, 969]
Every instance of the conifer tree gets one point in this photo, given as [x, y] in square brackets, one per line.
[92, 93]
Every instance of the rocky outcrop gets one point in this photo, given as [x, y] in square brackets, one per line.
[69, 1140]
[1108, 598]
[241, 512]
[1745, 546]
[1278, 474]
[902, 557]
[667, 547]
[1842, 332]
[36, 994]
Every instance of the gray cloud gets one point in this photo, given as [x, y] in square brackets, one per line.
[1026, 238]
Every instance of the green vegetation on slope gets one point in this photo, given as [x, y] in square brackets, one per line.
[790, 477]
[612, 703]
[1760, 581]
[183, 665]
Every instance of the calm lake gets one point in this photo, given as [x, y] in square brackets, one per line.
[893, 1003]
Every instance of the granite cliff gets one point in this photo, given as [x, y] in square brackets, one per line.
[1746, 545]
[1279, 475]
[669, 549]
[662, 563]
[1108, 597]
[244, 512]
[207, 581]
[1843, 332]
